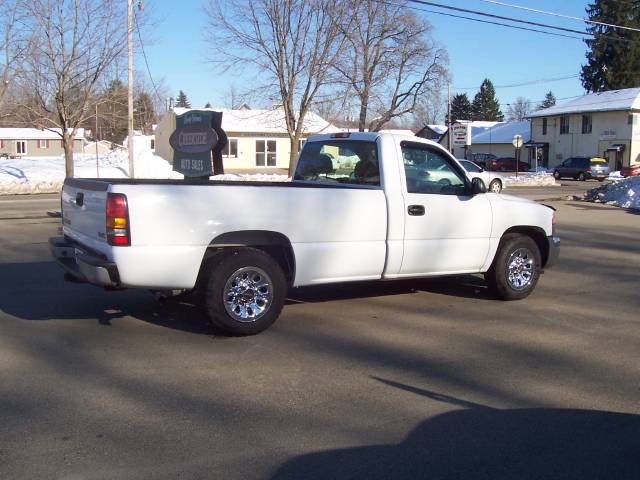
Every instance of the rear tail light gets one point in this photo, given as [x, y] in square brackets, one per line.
[589, 170]
[341, 135]
[118, 229]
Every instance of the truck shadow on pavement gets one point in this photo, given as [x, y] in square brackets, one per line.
[37, 291]
[465, 286]
[479, 442]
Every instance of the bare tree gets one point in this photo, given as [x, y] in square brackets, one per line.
[431, 106]
[294, 41]
[14, 42]
[390, 60]
[519, 109]
[75, 42]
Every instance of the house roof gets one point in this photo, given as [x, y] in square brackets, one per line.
[264, 121]
[35, 134]
[439, 129]
[397, 131]
[613, 100]
[502, 133]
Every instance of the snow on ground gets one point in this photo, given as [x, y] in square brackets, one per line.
[531, 179]
[624, 193]
[252, 177]
[46, 174]
[615, 176]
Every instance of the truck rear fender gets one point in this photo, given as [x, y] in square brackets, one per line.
[275, 244]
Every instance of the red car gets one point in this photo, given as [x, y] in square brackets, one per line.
[632, 171]
[506, 164]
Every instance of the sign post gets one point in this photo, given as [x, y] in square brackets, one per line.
[517, 143]
[461, 135]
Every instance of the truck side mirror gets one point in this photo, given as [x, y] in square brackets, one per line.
[478, 186]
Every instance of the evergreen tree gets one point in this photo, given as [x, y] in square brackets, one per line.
[549, 100]
[182, 101]
[208, 105]
[614, 62]
[460, 107]
[485, 105]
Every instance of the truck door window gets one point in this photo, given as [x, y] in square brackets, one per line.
[339, 161]
[428, 171]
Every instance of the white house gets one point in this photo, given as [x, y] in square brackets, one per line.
[605, 124]
[34, 142]
[258, 139]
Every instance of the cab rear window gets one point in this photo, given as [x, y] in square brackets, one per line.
[339, 161]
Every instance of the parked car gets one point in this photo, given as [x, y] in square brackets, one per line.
[238, 246]
[632, 171]
[482, 158]
[492, 181]
[506, 164]
[582, 168]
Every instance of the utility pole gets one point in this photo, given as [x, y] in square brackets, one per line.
[449, 114]
[130, 86]
[95, 137]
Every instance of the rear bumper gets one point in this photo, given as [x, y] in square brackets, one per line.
[83, 266]
[554, 251]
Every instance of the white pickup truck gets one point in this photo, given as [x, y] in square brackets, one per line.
[361, 206]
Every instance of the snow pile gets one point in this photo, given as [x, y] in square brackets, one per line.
[625, 193]
[615, 176]
[252, 177]
[46, 174]
[540, 169]
[530, 179]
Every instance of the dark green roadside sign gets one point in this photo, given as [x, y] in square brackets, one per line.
[192, 142]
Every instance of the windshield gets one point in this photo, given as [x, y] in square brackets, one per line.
[470, 166]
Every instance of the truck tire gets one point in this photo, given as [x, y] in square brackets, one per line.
[516, 267]
[244, 292]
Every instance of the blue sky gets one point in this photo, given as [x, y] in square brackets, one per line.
[476, 51]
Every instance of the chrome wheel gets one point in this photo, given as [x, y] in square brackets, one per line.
[520, 269]
[495, 186]
[248, 294]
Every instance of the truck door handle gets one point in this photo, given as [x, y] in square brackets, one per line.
[415, 210]
[80, 199]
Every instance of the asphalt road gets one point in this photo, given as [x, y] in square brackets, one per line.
[431, 379]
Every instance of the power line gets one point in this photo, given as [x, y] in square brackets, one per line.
[555, 14]
[144, 55]
[499, 17]
[490, 22]
[527, 82]
[515, 20]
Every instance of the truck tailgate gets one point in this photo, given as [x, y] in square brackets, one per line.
[84, 212]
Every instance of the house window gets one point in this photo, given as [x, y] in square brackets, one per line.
[153, 144]
[21, 147]
[231, 150]
[43, 143]
[586, 124]
[564, 124]
[544, 126]
[301, 143]
[265, 153]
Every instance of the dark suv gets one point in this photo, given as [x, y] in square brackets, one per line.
[582, 168]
